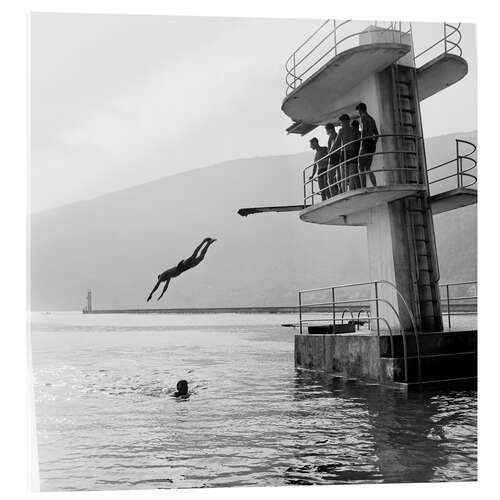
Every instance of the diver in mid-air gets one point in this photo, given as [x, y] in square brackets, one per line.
[182, 266]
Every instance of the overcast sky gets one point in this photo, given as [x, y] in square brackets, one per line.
[121, 100]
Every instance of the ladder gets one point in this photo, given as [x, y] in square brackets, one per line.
[418, 213]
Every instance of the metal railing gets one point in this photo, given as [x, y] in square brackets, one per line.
[452, 303]
[452, 36]
[345, 175]
[335, 305]
[464, 177]
[329, 39]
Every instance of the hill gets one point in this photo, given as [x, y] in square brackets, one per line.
[118, 243]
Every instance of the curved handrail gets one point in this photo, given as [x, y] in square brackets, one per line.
[447, 40]
[461, 172]
[343, 177]
[451, 40]
[346, 311]
[376, 300]
[359, 139]
[368, 316]
[414, 326]
[334, 49]
[293, 76]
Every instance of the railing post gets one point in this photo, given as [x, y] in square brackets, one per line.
[445, 39]
[335, 35]
[294, 72]
[458, 164]
[300, 312]
[304, 184]
[448, 305]
[333, 309]
[376, 308]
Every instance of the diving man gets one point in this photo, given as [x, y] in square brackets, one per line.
[182, 266]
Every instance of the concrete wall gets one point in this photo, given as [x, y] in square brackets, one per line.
[389, 259]
[356, 356]
[378, 34]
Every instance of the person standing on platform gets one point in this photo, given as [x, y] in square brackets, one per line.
[321, 166]
[333, 160]
[369, 138]
[357, 134]
[349, 168]
[357, 144]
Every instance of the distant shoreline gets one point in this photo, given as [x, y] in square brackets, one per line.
[253, 310]
[199, 310]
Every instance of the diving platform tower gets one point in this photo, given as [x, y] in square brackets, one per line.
[377, 66]
[393, 332]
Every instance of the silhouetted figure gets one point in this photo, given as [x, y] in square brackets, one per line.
[347, 140]
[369, 133]
[333, 160]
[321, 165]
[357, 137]
[357, 134]
[182, 266]
[182, 389]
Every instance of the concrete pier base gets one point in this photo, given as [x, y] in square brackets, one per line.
[438, 356]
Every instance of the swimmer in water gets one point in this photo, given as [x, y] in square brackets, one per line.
[183, 266]
[182, 389]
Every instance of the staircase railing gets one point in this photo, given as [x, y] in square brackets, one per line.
[332, 312]
[451, 303]
[464, 163]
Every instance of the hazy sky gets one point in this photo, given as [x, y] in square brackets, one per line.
[120, 100]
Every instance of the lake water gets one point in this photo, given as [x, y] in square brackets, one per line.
[106, 419]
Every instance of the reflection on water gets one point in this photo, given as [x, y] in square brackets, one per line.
[396, 437]
[106, 418]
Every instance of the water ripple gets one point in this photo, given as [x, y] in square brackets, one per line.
[106, 418]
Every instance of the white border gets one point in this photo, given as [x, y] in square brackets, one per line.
[14, 202]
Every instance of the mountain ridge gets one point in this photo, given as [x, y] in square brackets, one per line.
[117, 243]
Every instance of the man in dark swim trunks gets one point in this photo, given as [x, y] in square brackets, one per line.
[183, 266]
[369, 137]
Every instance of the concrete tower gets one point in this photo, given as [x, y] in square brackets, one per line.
[337, 67]
[380, 70]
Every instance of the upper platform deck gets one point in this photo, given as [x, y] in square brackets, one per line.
[325, 74]
[308, 103]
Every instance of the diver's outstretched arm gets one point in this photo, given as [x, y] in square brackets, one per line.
[192, 262]
[204, 251]
[154, 290]
[194, 259]
[164, 288]
[197, 249]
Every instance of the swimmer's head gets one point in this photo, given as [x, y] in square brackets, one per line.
[182, 387]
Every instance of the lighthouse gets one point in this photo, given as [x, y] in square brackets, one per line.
[88, 308]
